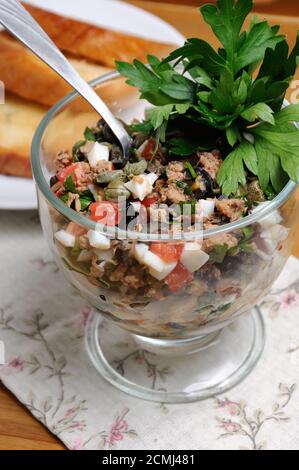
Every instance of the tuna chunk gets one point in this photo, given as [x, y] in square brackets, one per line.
[210, 163]
[224, 239]
[62, 160]
[233, 209]
[171, 192]
[175, 171]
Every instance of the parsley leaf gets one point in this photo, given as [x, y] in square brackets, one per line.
[159, 114]
[258, 40]
[259, 110]
[182, 147]
[86, 199]
[231, 172]
[159, 83]
[89, 135]
[218, 89]
[226, 20]
[69, 184]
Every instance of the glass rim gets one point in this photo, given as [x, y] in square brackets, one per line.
[84, 221]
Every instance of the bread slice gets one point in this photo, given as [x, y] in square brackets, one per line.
[90, 49]
[94, 43]
[27, 76]
[18, 122]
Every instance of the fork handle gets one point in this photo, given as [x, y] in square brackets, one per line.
[20, 23]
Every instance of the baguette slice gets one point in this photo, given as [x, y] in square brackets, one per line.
[94, 43]
[27, 76]
[18, 122]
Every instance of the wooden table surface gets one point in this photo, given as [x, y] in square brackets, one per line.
[18, 429]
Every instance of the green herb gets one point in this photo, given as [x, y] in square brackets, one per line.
[182, 147]
[191, 170]
[219, 253]
[185, 187]
[232, 170]
[145, 127]
[86, 199]
[248, 232]
[188, 207]
[237, 90]
[246, 247]
[69, 184]
[89, 135]
[64, 198]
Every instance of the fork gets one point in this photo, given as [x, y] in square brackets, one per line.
[20, 23]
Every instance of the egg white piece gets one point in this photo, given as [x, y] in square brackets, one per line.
[136, 206]
[274, 235]
[98, 240]
[98, 153]
[139, 252]
[271, 219]
[142, 185]
[207, 207]
[65, 238]
[161, 275]
[193, 258]
[153, 261]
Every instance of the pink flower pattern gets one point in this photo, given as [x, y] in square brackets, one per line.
[289, 299]
[117, 430]
[14, 366]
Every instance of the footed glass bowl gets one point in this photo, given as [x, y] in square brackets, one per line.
[149, 340]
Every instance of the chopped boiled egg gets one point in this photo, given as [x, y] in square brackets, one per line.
[153, 261]
[98, 240]
[167, 269]
[65, 238]
[136, 206]
[271, 219]
[193, 258]
[139, 251]
[142, 185]
[98, 153]
[158, 268]
[273, 236]
[207, 207]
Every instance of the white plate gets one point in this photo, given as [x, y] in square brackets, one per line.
[19, 193]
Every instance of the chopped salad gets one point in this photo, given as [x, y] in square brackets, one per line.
[214, 146]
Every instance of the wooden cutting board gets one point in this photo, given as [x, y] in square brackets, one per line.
[18, 430]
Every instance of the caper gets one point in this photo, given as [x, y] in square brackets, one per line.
[116, 190]
[135, 169]
[107, 176]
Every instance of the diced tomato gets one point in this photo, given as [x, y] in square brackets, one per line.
[68, 170]
[149, 201]
[149, 149]
[178, 278]
[105, 212]
[168, 252]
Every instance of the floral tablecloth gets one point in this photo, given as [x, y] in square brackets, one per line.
[46, 367]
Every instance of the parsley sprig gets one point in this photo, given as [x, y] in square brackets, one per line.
[237, 90]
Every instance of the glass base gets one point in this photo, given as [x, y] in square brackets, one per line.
[176, 371]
